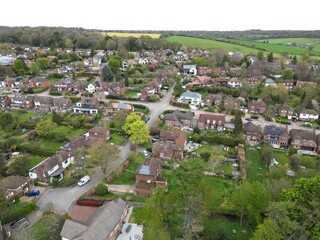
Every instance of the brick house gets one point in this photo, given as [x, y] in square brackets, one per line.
[318, 143]
[303, 140]
[105, 223]
[43, 103]
[288, 84]
[204, 71]
[283, 110]
[87, 105]
[61, 104]
[114, 107]
[213, 99]
[212, 121]
[63, 85]
[13, 186]
[231, 103]
[252, 132]
[114, 88]
[42, 82]
[308, 114]
[5, 100]
[179, 119]
[22, 101]
[257, 107]
[306, 83]
[99, 132]
[275, 135]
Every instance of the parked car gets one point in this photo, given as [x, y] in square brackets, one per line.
[154, 140]
[33, 193]
[21, 223]
[149, 149]
[145, 153]
[248, 119]
[84, 180]
[128, 228]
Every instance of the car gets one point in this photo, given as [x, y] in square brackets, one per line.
[84, 180]
[23, 222]
[248, 119]
[149, 149]
[147, 119]
[145, 153]
[154, 140]
[33, 193]
[128, 228]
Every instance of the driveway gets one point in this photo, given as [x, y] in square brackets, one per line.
[136, 231]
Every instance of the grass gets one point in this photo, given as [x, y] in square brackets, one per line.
[254, 166]
[128, 176]
[35, 160]
[70, 132]
[116, 138]
[26, 116]
[125, 196]
[281, 157]
[210, 44]
[127, 34]
[5, 131]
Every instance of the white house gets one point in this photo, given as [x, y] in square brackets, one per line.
[91, 88]
[308, 114]
[234, 82]
[143, 61]
[190, 97]
[270, 82]
[190, 70]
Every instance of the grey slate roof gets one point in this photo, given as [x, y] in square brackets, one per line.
[189, 94]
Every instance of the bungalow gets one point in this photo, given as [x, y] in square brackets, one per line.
[43, 103]
[257, 106]
[114, 107]
[283, 110]
[213, 99]
[87, 105]
[27, 84]
[13, 186]
[252, 132]
[190, 70]
[190, 97]
[99, 132]
[308, 114]
[276, 136]
[170, 145]
[234, 82]
[52, 167]
[61, 104]
[179, 119]
[5, 100]
[22, 101]
[303, 140]
[42, 82]
[104, 224]
[212, 121]
[231, 103]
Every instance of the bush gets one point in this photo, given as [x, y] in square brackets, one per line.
[59, 137]
[101, 189]
[55, 93]
[205, 155]
[17, 211]
[55, 182]
[89, 202]
[179, 104]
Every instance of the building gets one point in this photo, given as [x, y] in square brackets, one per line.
[303, 140]
[308, 114]
[257, 107]
[212, 121]
[13, 186]
[179, 119]
[5, 101]
[283, 110]
[190, 97]
[277, 136]
[99, 132]
[114, 107]
[87, 105]
[252, 132]
[190, 70]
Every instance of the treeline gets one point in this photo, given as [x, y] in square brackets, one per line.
[79, 38]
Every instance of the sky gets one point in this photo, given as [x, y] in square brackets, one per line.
[221, 15]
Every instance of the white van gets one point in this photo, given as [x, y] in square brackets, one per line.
[84, 180]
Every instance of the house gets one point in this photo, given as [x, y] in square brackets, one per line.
[201, 81]
[91, 88]
[146, 177]
[114, 88]
[61, 104]
[251, 81]
[170, 145]
[5, 100]
[283, 110]
[13, 186]
[303, 140]
[211, 121]
[252, 132]
[99, 132]
[87, 105]
[270, 82]
[277, 136]
[179, 119]
[213, 99]
[190, 70]
[104, 224]
[156, 84]
[22, 101]
[27, 84]
[80, 142]
[231, 103]
[318, 143]
[205, 71]
[63, 85]
[306, 83]
[43, 103]
[237, 71]
[234, 82]
[257, 106]
[190, 97]
[42, 82]
[308, 114]
[288, 84]
[145, 94]
[111, 108]
[52, 167]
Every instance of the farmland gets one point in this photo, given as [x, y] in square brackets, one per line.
[210, 44]
[136, 35]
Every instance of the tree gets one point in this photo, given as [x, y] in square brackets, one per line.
[287, 74]
[294, 60]
[56, 118]
[266, 154]
[270, 57]
[275, 186]
[34, 68]
[114, 64]
[138, 131]
[260, 55]
[267, 231]
[2, 165]
[3, 202]
[92, 52]
[20, 165]
[250, 200]
[19, 67]
[6, 120]
[238, 122]
[303, 97]
[107, 73]
[119, 118]
[130, 119]
[126, 82]
[45, 128]
[101, 189]
[102, 153]
[43, 63]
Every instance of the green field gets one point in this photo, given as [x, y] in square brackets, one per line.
[210, 44]
[255, 168]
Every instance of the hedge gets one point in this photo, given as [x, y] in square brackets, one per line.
[179, 104]
[55, 93]
[35, 149]
[227, 91]
[143, 107]
[17, 211]
[89, 202]
[122, 98]
[119, 131]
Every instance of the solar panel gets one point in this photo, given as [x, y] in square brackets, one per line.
[122, 105]
[144, 170]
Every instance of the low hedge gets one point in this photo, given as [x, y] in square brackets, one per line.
[17, 211]
[122, 98]
[35, 149]
[55, 93]
[89, 202]
[179, 104]
[143, 107]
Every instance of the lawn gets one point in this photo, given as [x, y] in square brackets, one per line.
[281, 157]
[26, 116]
[254, 166]
[129, 34]
[116, 139]
[35, 160]
[70, 132]
[210, 44]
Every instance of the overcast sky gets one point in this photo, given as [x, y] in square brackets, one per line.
[220, 15]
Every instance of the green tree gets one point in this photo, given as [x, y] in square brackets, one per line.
[130, 119]
[45, 128]
[20, 166]
[101, 189]
[114, 64]
[238, 125]
[92, 52]
[270, 57]
[266, 154]
[2, 165]
[102, 153]
[43, 63]
[250, 200]
[287, 74]
[268, 230]
[3, 203]
[126, 82]
[119, 118]
[19, 67]
[303, 97]
[294, 60]
[6, 120]
[34, 68]
[56, 117]
[260, 55]
[107, 73]
[139, 132]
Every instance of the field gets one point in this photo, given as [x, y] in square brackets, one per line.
[255, 168]
[136, 35]
[210, 44]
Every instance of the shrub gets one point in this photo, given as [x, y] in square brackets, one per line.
[55, 93]
[55, 182]
[89, 202]
[59, 136]
[205, 155]
[17, 211]
[101, 189]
